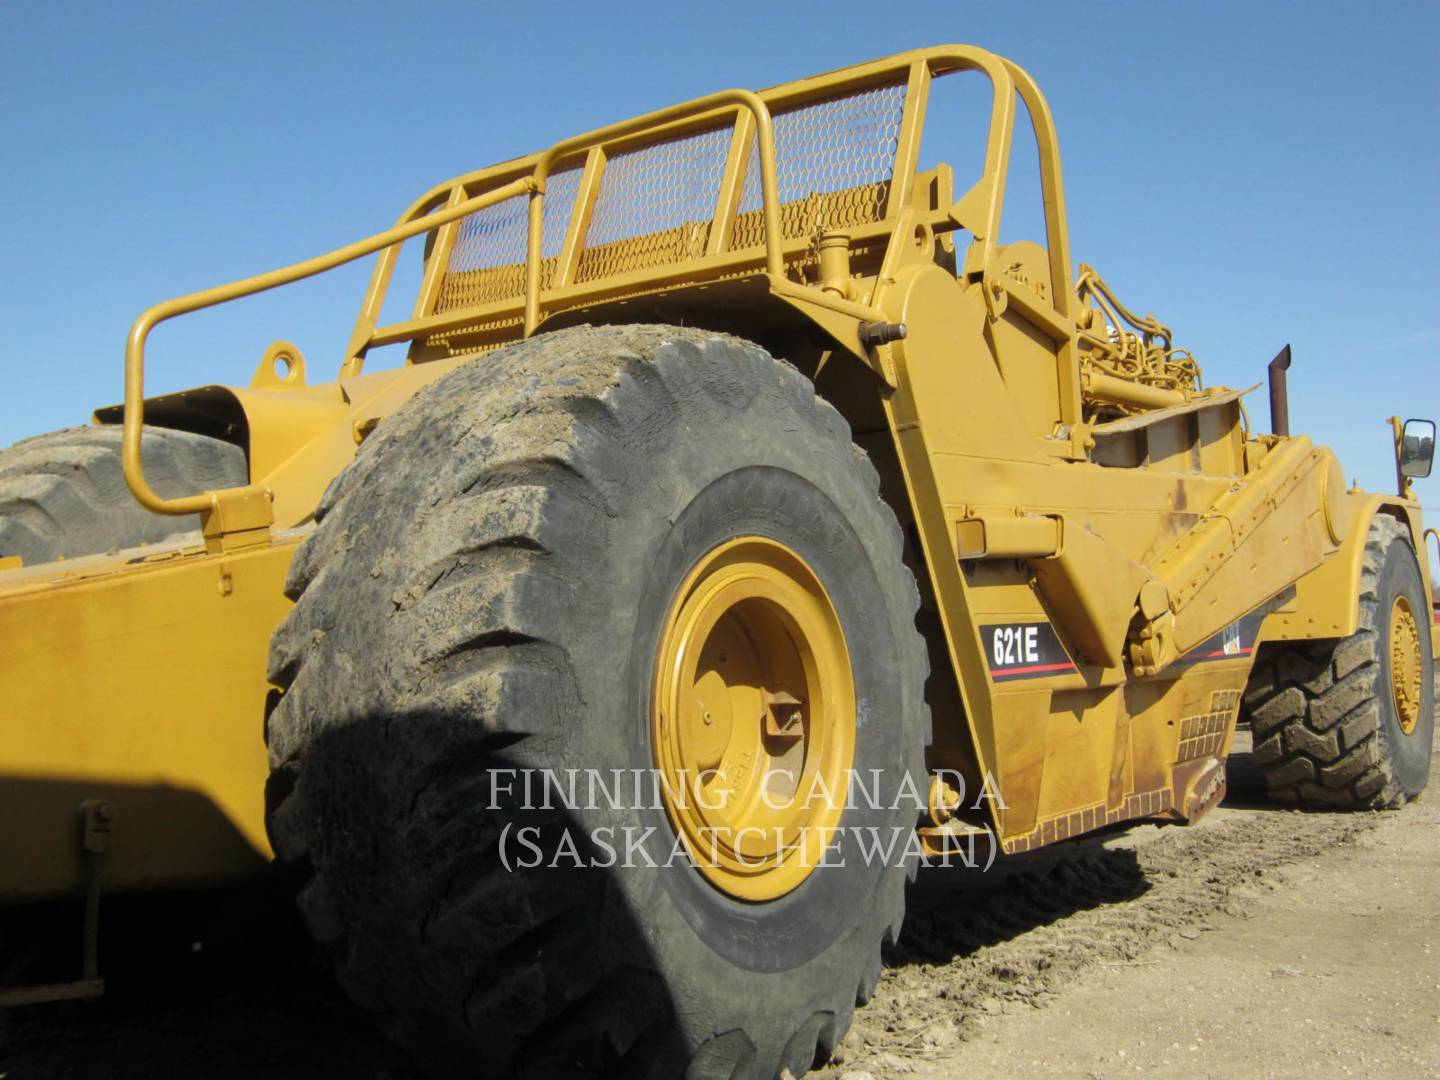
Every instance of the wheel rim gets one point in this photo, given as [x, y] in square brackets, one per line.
[753, 717]
[1405, 675]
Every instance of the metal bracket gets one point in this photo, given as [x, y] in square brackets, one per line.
[842, 320]
[783, 716]
[1403, 486]
[995, 294]
[238, 518]
[96, 818]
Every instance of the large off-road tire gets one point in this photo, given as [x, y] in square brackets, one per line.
[1350, 722]
[487, 590]
[63, 494]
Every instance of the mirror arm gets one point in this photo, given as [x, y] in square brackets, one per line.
[1402, 482]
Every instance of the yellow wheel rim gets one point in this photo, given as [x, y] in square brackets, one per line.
[753, 717]
[1405, 674]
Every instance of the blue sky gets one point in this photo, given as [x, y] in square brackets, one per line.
[1252, 173]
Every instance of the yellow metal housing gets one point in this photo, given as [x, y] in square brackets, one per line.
[1070, 483]
[139, 679]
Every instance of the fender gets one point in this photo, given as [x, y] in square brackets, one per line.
[1327, 600]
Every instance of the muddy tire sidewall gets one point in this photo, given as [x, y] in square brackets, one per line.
[831, 903]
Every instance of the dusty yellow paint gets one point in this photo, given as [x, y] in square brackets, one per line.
[142, 682]
[1058, 457]
[752, 633]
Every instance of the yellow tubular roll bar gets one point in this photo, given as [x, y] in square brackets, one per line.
[154, 316]
[247, 508]
[421, 218]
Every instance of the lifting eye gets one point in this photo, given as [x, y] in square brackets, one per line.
[282, 365]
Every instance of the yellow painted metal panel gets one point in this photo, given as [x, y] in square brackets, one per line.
[144, 684]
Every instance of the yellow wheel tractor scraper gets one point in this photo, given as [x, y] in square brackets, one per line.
[745, 524]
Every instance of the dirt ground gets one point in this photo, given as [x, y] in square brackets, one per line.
[1260, 943]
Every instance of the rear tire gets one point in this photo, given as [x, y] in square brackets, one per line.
[1330, 728]
[63, 494]
[486, 591]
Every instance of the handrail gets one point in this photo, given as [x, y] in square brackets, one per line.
[367, 334]
[154, 316]
[415, 222]
[530, 175]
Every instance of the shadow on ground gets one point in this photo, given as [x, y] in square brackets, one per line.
[955, 911]
[219, 984]
[227, 984]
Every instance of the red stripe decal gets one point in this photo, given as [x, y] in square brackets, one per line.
[997, 672]
[1219, 652]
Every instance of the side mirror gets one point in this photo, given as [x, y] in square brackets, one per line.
[1417, 448]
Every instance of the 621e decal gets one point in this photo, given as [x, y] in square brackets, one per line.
[1024, 650]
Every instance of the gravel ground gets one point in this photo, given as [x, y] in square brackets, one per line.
[1260, 943]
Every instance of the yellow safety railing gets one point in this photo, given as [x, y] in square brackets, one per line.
[421, 219]
[770, 189]
[154, 316]
[654, 126]
[913, 71]
[978, 210]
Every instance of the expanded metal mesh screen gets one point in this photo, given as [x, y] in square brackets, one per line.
[655, 205]
[835, 160]
[487, 262]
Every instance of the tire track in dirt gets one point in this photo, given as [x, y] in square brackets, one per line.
[973, 947]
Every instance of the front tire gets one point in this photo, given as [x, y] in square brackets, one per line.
[486, 595]
[1349, 723]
